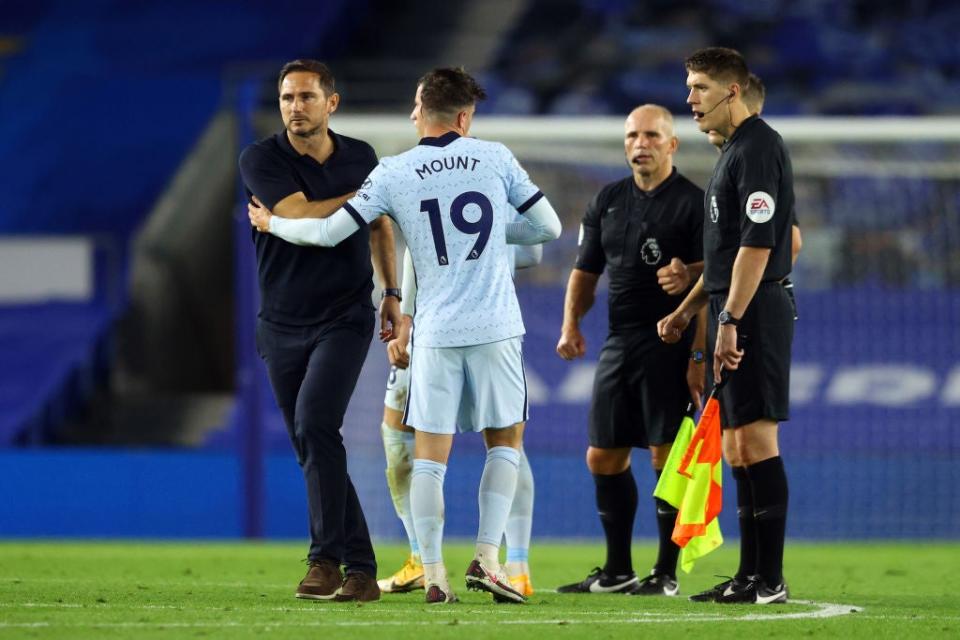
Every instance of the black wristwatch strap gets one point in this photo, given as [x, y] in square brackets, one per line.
[391, 292]
[727, 318]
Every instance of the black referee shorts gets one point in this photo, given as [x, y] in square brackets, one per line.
[760, 388]
[640, 392]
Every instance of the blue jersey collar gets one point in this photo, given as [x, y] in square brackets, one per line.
[440, 141]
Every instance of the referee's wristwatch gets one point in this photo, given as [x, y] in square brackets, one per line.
[726, 318]
[697, 356]
[391, 292]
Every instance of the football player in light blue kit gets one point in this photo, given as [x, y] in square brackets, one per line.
[454, 199]
[398, 447]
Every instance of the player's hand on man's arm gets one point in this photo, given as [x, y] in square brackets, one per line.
[259, 215]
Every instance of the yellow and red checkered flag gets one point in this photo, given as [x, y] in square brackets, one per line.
[692, 481]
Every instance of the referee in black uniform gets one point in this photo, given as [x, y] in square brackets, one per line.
[316, 319]
[747, 255]
[753, 98]
[638, 229]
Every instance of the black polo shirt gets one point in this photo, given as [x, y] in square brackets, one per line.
[632, 233]
[749, 203]
[307, 285]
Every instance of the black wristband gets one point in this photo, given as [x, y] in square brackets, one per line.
[391, 292]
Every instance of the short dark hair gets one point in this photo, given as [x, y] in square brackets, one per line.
[324, 75]
[721, 64]
[445, 91]
[754, 93]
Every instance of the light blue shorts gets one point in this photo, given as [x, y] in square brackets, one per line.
[467, 388]
[397, 385]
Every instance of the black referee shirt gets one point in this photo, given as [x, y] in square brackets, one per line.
[749, 203]
[633, 233]
[307, 285]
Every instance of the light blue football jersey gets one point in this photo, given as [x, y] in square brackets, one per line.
[452, 198]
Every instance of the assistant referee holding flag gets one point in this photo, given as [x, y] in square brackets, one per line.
[747, 250]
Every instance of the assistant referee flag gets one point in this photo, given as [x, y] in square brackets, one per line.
[692, 482]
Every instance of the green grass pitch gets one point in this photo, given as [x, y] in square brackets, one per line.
[243, 590]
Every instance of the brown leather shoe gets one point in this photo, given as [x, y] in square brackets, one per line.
[359, 587]
[322, 581]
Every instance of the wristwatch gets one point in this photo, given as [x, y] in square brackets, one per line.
[726, 318]
[391, 292]
[697, 356]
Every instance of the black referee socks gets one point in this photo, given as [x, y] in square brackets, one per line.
[667, 551]
[617, 507]
[768, 480]
[748, 526]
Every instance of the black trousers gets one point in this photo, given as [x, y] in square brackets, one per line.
[313, 371]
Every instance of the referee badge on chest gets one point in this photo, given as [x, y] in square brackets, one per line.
[714, 209]
[650, 251]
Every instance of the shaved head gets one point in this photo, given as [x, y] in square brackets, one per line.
[654, 110]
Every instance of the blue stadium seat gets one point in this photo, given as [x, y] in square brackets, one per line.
[53, 358]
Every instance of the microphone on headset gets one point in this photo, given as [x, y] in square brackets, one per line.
[714, 108]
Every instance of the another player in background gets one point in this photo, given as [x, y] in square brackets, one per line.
[644, 230]
[747, 255]
[316, 320]
[454, 199]
[753, 97]
[398, 444]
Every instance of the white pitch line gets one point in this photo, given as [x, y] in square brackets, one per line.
[822, 610]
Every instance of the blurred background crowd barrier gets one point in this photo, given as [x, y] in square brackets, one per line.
[131, 399]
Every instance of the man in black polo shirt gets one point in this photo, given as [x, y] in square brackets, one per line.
[747, 254]
[316, 319]
[636, 227]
